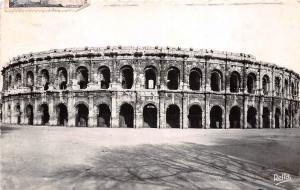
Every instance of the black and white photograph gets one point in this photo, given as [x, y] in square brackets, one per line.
[150, 94]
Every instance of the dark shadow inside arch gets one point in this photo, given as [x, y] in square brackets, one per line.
[287, 119]
[216, 81]
[266, 117]
[29, 114]
[45, 79]
[195, 79]
[216, 120]
[127, 77]
[195, 117]
[251, 118]
[103, 119]
[150, 116]
[266, 84]
[126, 116]
[62, 115]
[62, 75]
[173, 78]
[104, 73]
[235, 117]
[44, 114]
[150, 78]
[277, 118]
[82, 77]
[82, 115]
[18, 110]
[251, 80]
[235, 81]
[30, 80]
[173, 116]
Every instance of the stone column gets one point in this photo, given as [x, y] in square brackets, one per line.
[36, 114]
[114, 115]
[245, 113]
[207, 111]
[22, 109]
[92, 115]
[52, 112]
[260, 112]
[162, 111]
[71, 111]
[185, 122]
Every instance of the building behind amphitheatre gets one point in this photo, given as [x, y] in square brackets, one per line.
[148, 87]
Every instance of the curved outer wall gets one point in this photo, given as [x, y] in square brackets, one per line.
[219, 94]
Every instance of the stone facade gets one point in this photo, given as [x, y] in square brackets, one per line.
[148, 87]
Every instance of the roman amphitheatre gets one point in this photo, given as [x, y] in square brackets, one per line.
[148, 87]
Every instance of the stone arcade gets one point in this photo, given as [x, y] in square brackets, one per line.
[148, 87]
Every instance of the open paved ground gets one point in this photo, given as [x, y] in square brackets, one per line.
[97, 158]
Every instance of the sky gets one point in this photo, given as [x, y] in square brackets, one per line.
[271, 32]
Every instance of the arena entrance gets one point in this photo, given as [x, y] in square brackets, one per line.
[266, 116]
[150, 78]
[29, 114]
[62, 115]
[216, 117]
[103, 117]
[252, 118]
[277, 118]
[195, 117]
[82, 115]
[45, 114]
[126, 116]
[18, 110]
[287, 119]
[235, 117]
[150, 116]
[173, 116]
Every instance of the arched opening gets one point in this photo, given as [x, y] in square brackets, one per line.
[18, 80]
[235, 117]
[62, 115]
[150, 78]
[216, 81]
[277, 118]
[235, 82]
[251, 83]
[9, 113]
[266, 84]
[18, 110]
[216, 117]
[252, 118]
[195, 117]
[44, 114]
[82, 77]
[293, 89]
[126, 116]
[173, 78]
[195, 79]
[286, 86]
[150, 116]
[173, 116]
[266, 117]
[127, 77]
[29, 114]
[104, 77]
[277, 85]
[30, 79]
[9, 83]
[103, 117]
[45, 79]
[287, 119]
[82, 115]
[62, 76]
